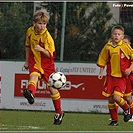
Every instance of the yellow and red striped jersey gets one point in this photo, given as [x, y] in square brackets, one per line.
[45, 40]
[114, 56]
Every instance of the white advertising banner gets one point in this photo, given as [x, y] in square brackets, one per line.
[81, 94]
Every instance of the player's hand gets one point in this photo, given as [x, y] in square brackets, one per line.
[38, 48]
[100, 76]
[26, 65]
[127, 71]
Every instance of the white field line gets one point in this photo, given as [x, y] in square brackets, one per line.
[3, 126]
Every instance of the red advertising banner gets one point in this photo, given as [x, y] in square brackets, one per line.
[78, 86]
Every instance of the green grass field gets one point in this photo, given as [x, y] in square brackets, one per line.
[18, 120]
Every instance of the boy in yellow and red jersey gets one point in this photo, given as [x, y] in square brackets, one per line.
[112, 55]
[129, 87]
[40, 55]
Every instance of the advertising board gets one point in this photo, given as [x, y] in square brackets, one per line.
[81, 94]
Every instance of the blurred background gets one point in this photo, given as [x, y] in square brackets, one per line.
[79, 29]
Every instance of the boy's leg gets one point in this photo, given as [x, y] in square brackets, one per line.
[131, 110]
[121, 102]
[117, 107]
[55, 95]
[113, 110]
[30, 91]
[128, 92]
[131, 107]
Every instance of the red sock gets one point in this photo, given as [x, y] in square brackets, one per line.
[57, 102]
[32, 86]
[117, 106]
[113, 111]
[123, 104]
[131, 108]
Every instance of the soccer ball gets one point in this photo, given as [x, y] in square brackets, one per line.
[57, 80]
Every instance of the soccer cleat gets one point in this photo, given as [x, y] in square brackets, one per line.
[127, 116]
[113, 123]
[110, 119]
[58, 118]
[28, 95]
[131, 120]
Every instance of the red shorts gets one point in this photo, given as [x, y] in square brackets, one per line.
[114, 85]
[45, 76]
[129, 85]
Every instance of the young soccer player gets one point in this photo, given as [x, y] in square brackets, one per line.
[40, 55]
[113, 55]
[129, 86]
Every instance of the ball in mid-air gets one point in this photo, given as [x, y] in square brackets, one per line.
[57, 80]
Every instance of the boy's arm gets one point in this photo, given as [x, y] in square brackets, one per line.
[100, 76]
[41, 49]
[129, 70]
[26, 65]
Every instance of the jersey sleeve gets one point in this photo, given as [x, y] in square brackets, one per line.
[50, 45]
[128, 51]
[131, 50]
[103, 57]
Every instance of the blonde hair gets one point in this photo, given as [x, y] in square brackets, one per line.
[42, 15]
[118, 27]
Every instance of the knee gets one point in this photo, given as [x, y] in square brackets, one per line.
[53, 90]
[129, 100]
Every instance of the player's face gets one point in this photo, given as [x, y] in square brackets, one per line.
[126, 40]
[117, 35]
[40, 26]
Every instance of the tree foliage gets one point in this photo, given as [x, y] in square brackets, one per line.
[14, 23]
[93, 32]
[86, 29]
